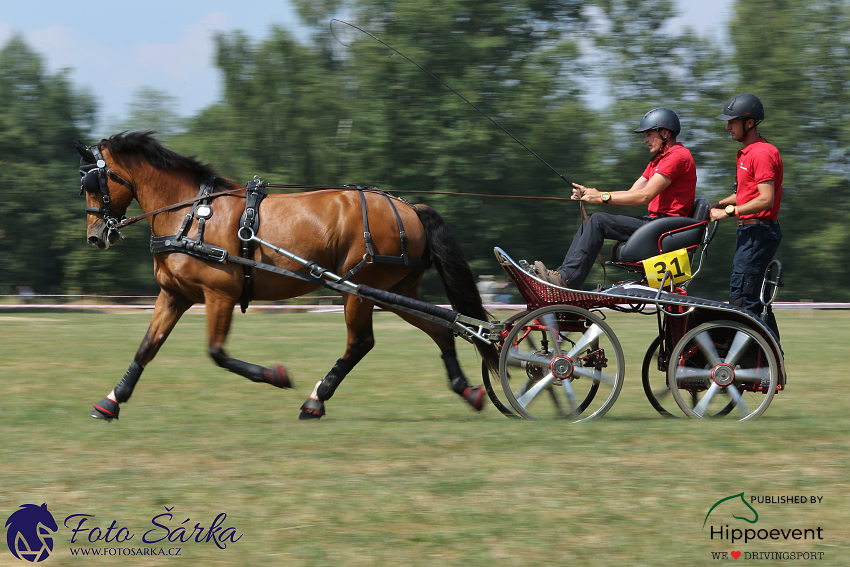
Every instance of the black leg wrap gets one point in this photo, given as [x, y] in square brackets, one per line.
[332, 380]
[457, 380]
[105, 409]
[252, 372]
[125, 387]
[459, 385]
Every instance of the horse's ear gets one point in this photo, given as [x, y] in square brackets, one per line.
[84, 151]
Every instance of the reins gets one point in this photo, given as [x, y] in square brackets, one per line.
[191, 201]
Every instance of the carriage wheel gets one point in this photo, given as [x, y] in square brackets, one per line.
[723, 364]
[561, 362]
[658, 391]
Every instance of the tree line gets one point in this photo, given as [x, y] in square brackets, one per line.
[569, 78]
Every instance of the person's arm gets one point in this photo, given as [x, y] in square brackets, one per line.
[763, 202]
[641, 193]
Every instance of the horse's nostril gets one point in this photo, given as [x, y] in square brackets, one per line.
[95, 241]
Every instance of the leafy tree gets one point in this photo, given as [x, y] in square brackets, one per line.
[41, 114]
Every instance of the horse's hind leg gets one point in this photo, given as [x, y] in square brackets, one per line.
[358, 319]
[219, 317]
[167, 311]
[444, 337]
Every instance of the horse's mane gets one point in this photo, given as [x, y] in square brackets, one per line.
[144, 145]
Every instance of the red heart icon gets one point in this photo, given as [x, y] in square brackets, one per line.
[736, 554]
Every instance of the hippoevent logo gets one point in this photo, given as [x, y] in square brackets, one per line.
[32, 530]
[29, 533]
[730, 516]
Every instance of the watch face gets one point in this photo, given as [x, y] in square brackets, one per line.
[730, 209]
[606, 196]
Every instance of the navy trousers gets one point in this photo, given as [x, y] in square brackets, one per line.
[588, 242]
[754, 249]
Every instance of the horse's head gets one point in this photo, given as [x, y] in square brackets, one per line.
[108, 194]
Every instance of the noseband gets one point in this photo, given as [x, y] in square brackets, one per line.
[93, 180]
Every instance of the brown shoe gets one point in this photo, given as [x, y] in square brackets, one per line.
[549, 276]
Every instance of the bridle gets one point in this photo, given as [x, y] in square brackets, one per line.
[93, 179]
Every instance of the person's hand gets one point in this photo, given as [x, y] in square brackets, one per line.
[587, 194]
[718, 214]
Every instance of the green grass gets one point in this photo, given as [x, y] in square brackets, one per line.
[401, 472]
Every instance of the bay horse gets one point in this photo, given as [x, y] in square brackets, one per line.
[325, 227]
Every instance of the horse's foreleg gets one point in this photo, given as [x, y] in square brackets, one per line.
[358, 318]
[167, 311]
[219, 317]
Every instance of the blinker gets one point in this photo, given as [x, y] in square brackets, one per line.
[91, 181]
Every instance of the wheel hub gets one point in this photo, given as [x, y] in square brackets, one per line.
[723, 374]
[561, 367]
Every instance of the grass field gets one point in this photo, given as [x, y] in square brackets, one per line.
[401, 472]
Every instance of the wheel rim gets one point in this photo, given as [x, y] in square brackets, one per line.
[655, 382]
[561, 362]
[723, 369]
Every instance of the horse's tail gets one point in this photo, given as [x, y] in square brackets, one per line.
[456, 275]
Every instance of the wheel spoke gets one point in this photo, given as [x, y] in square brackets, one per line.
[517, 355]
[532, 392]
[595, 374]
[571, 395]
[706, 345]
[687, 373]
[753, 374]
[739, 401]
[590, 336]
[551, 324]
[702, 406]
[742, 340]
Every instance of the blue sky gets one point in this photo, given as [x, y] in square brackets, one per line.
[115, 48]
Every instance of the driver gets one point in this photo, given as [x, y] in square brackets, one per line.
[667, 186]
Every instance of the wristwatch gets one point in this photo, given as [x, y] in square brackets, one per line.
[730, 210]
[605, 198]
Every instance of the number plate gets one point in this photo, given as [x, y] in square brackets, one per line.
[676, 261]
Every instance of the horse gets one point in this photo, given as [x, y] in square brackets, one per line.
[324, 226]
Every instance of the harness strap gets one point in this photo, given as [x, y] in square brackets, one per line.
[255, 192]
[370, 257]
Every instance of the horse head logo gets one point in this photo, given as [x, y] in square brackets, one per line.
[733, 497]
[30, 533]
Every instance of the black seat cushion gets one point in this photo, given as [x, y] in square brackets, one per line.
[643, 243]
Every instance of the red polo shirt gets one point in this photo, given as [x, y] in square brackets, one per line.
[677, 200]
[757, 163]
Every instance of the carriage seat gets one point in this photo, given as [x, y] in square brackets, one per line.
[644, 243]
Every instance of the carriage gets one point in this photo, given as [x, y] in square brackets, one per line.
[557, 359]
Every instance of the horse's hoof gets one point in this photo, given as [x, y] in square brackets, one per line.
[312, 409]
[105, 409]
[277, 377]
[475, 397]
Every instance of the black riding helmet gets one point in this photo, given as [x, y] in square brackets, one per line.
[743, 106]
[658, 118]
